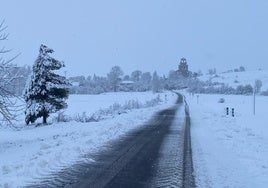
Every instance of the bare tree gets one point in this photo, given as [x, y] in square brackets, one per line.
[7, 102]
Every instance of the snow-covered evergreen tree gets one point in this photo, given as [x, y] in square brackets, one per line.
[46, 91]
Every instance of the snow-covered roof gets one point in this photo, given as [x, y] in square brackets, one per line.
[75, 83]
[127, 82]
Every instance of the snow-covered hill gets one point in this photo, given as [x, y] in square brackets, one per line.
[234, 79]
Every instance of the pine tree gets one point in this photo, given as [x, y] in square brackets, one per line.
[46, 91]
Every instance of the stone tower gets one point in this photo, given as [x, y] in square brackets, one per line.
[183, 68]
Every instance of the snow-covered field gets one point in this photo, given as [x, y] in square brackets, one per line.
[35, 152]
[92, 103]
[240, 78]
[229, 151]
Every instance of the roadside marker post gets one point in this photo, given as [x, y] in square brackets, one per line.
[233, 112]
[254, 102]
[230, 111]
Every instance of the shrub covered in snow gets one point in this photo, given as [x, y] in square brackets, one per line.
[221, 100]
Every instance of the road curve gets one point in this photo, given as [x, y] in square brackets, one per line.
[156, 155]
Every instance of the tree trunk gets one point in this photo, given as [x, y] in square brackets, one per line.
[45, 119]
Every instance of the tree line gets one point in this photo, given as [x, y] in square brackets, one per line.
[139, 81]
[116, 81]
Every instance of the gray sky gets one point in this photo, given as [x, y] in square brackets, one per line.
[92, 36]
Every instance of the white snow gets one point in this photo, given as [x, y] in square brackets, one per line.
[36, 152]
[229, 151]
[92, 103]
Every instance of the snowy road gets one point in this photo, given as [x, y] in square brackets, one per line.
[156, 155]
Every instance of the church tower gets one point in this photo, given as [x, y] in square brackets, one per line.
[183, 68]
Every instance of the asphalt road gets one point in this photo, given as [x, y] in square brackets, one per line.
[156, 155]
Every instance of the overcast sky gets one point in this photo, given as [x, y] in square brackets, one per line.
[92, 36]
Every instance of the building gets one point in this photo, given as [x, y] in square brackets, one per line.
[183, 68]
[126, 85]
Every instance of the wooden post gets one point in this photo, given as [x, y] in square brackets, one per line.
[254, 102]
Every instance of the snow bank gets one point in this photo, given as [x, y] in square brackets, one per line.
[33, 153]
[229, 151]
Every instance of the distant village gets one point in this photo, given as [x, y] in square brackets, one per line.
[136, 81]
